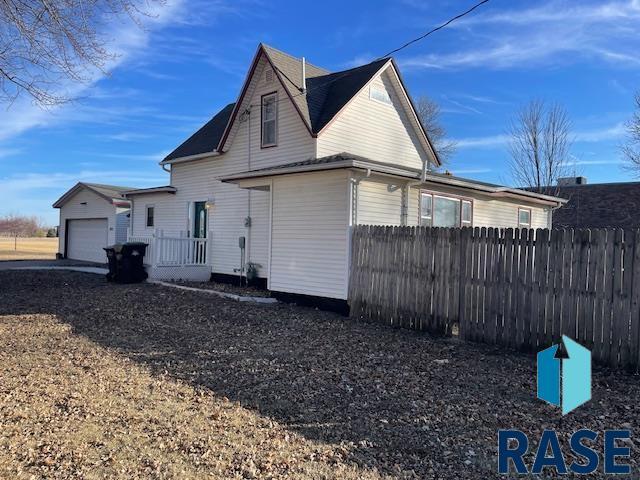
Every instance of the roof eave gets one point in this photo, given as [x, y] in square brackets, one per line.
[143, 191]
[190, 158]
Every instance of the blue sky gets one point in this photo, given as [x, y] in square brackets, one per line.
[193, 55]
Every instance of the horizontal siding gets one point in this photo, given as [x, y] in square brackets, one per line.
[374, 129]
[96, 207]
[379, 204]
[309, 252]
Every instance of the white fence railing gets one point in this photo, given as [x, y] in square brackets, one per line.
[164, 251]
[176, 251]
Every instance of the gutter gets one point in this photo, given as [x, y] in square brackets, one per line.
[190, 158]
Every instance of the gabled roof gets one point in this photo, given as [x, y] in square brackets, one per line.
[111, 193]
[326, 95]
[207, 138]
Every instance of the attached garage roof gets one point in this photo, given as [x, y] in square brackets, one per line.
[111, 193]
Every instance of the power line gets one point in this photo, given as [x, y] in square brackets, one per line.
[439, 27]
[411, 42]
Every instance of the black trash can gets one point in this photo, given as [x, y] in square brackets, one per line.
[126, 262]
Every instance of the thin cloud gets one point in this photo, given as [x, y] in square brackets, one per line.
[585, 136]
[556, 33]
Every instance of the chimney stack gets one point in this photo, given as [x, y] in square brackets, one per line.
[304, 75]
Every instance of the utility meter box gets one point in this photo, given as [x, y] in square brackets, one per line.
[241, 242]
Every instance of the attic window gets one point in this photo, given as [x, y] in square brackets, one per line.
[269, 116]
[380, 94]
[268, 76]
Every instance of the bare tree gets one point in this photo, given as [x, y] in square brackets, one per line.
[429, 112]
[15, 226]
[539, 146]
[44, 43]
[631, 147]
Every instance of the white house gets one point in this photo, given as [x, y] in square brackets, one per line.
[92, 216]
[301, 156]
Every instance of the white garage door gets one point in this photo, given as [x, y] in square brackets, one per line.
[86, 240]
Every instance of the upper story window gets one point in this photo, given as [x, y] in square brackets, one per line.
[269, 118]
[524, 218]
[437, 210]
[379, 93]
[150, 216]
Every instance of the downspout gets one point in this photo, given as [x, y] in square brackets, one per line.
[355, 181]
[406, 190]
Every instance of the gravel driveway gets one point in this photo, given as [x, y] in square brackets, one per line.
[362, 398]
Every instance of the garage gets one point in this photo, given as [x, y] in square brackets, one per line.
[87, 238]
[92, 216]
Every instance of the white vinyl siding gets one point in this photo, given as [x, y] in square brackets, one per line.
[309, 252]
[378, 203]
[373, 129]
[86, 204]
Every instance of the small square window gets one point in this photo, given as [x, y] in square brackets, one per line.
[524, 218]
[150, 216]
[379, 93]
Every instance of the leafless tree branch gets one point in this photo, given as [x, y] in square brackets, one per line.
[631, 147]
[539, 146]
[45, 43]
[429, 112]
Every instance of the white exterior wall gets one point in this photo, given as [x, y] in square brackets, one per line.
[379, 203]
[196, 181]
[309, 250]
[96, 207]
[373, 129]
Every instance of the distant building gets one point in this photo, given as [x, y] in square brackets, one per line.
[598, 205]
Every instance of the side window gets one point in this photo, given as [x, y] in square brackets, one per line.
[150, 216]
[441, 210]
[426, 210]
[269, 117]
[524, 218]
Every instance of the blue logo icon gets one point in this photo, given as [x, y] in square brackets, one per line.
[569, 376]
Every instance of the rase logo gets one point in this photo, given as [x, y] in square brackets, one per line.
[566, 383]
[571, 376]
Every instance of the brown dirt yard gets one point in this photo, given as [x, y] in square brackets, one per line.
[28, 248]
[144, 381]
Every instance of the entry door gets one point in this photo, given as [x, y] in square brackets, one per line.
[200, 220]
[200, 229]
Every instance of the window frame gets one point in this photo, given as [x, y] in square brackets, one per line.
[525, 209]
[273, 94]
[146, 215]
[433, 194]
[373, 87]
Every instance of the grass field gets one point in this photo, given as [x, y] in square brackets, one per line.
[28, 248]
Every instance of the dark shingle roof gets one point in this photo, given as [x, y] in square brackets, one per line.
[207, 138]
[326, 94]
[604, 205]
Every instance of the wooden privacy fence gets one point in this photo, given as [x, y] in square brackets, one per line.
[514, 287]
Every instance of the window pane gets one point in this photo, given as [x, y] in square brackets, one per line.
[269, 112]
[524, 217]
[446, 212]
[425, 222]
[425, 206]
[149, 216]
[466, 212]
[269, 133]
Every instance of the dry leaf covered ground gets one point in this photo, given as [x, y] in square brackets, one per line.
[142, 381]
